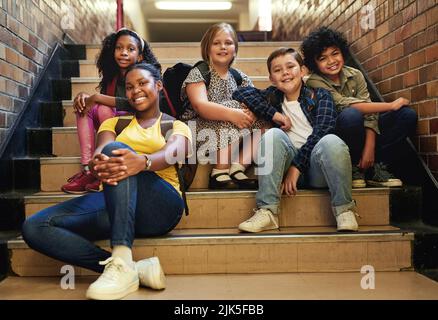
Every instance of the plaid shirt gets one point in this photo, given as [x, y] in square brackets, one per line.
[320, 113]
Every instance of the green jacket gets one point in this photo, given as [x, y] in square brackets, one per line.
[353, 89]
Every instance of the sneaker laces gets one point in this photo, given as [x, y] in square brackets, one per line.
[112, 270]
[257, 217]
[381, 173]
[77, 176]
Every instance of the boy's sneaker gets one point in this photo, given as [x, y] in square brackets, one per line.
[151, 274]
[263, 219]
[77, 183]
[381, 177]
[117, 280]
[358, 178]
[346, 221]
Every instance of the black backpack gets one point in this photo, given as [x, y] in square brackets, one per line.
[186, 172]
[173, 78]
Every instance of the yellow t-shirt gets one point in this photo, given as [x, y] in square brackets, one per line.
[149, 140]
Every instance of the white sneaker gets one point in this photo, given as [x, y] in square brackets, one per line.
[263, 219]
[347, 221]
[117, 280]
[151, 274]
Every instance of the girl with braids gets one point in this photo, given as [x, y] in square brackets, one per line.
[120, 50]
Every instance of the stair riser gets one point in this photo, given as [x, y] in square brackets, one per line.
[194, 52]
[256, 68]
[90, 87]
[304, 210]
[247, 258]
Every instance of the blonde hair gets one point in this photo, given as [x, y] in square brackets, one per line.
[209, 35]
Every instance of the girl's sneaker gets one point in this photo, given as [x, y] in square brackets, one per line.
[77, 183]
[381, 177]
[151, 274]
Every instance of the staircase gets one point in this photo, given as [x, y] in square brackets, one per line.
[207, 241]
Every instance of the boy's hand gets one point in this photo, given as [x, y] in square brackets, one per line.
[290, 181]
[400, 102]
[282, 120]
[367, 159]
[79, 102]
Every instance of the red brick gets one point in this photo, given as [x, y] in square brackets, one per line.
[389, 70]
[419, 93]
[384, 86]
[410, 78]
[11, 56]
[428, 73]
[384, 57]
[428, 144]
[410, 45]
[419, 23]
[434, 126]
[417, 59]
[423, 127]
[432, 16]
[2, 119]
[402, 65]
[396, 52]
[5, 102]
[432, 89]
[28, 51]
[433, 162]
[432, 53]
[397, 83]
[409, 13]
[427, 109]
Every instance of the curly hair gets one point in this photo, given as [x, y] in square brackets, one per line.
[107, 65]
[156, 74]
[319, 40]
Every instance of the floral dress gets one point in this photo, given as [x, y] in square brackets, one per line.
[215, 134]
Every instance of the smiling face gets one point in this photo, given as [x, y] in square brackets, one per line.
[330, 63]
[126, 51]
[286, 74]
[142, 90]
[222, 49]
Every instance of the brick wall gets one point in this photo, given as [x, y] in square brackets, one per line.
[29, 30]
[400, 54]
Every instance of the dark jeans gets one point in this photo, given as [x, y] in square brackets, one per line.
[143, 205]
[394, 127]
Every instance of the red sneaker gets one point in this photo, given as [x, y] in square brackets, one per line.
[94, 186]
[78, 182]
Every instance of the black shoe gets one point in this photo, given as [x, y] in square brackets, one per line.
[225, 185]
[245, 184]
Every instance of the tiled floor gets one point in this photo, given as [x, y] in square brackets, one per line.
[388, 285]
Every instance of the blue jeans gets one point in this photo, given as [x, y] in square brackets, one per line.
[394, 126]
[330, 166]
[143, 205]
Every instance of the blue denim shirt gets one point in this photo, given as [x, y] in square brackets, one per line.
[317, 105]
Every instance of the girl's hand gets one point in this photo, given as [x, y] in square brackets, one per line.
[98, 159]
[126, 163]
[79, 102]
[241, 119]
[283, 120]
[290, 181]
[400, 102]
[367, 159]
[249, 113]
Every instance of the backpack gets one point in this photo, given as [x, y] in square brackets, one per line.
[186, 173]
[173, 78]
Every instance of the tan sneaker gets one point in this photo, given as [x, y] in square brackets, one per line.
[117, 280]
[346, 221]
[263, 219]
[151, 274]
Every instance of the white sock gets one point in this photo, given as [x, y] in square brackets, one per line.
[238, 167]
[221, 178]
[123, 252]
[86, 168]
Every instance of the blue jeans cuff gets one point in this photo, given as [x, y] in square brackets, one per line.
[345, 207]
[121, 243]
[271, 207]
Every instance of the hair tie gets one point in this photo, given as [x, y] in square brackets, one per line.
[136, 34]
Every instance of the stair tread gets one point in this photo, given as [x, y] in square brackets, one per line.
[285, 235]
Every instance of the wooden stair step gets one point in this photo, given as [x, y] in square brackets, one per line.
[226, 209]
[192, 50]
[228, 251]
